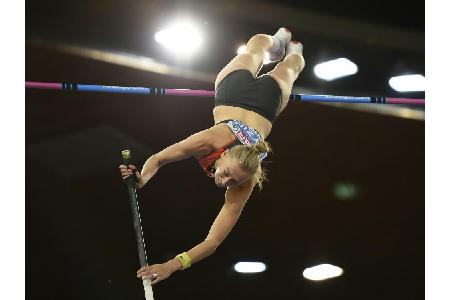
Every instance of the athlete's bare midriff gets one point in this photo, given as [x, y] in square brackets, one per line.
[250, 118]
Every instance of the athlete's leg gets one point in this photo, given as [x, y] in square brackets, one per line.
[253, 57]
[287, 71]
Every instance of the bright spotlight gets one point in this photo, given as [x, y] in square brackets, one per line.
[322, 272]
[182, 38]
[249, 267]
[336, 68]
[408, 83]
[243, 48]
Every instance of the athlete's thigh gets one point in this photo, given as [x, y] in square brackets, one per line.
[246, 61]
[285, 88]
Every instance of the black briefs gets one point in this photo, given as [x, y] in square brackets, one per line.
[261, 95]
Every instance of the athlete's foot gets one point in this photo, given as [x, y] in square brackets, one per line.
[294, 47]
[280, 40]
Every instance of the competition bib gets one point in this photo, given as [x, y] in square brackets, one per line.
[246, 135]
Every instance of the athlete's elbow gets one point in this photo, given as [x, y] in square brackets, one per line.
[158, 160]
[213, 244]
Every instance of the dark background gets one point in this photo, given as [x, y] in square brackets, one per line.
[79, 237]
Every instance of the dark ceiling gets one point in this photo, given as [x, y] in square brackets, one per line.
[79, 236]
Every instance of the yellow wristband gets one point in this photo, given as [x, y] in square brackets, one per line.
[184, 259]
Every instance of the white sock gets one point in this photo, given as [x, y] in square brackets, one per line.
[280, 39]
[294, 47]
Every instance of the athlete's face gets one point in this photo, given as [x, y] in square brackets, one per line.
[229, 173]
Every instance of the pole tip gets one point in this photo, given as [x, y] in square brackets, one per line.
[126, 154]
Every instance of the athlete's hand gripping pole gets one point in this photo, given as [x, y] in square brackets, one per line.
[131, 184]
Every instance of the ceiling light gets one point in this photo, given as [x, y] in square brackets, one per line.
[249, 267]
[336, 68]
[322, 272]
[408, 83]
[181, 38]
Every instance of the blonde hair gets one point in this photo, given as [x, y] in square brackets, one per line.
[248, 159]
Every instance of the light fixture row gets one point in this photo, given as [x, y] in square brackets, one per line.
[316, 273]
[183, 39]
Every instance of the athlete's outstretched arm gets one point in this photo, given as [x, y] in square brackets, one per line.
[196, 145]
[235, 199]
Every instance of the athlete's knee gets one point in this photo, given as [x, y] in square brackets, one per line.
[260, 37]
[295, 61]
[260, 40]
